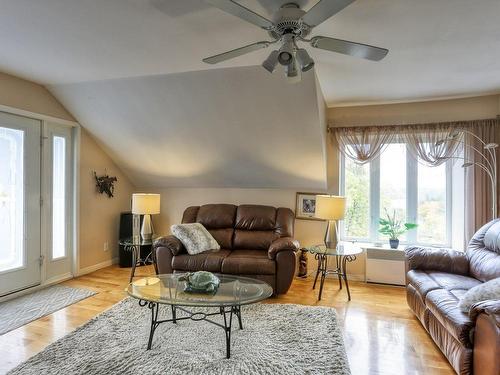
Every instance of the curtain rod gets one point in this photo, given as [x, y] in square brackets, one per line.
[331, 128]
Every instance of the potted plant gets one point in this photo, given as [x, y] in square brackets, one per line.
[394, 228]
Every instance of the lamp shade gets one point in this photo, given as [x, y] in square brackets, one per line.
[145, 204]
[330, 207]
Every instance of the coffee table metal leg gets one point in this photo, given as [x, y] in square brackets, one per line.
[174, 320]
[237, 311]
[227, 328]
[154, 307]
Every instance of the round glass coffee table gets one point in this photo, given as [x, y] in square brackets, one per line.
[343, 253]
[233, 292]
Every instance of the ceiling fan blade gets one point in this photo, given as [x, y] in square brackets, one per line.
[232, 7]
[364, 51]
[323, 10]
[235, 52]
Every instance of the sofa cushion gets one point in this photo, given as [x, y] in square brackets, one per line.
[253, 217]
[223, 236]
[444, 306]
[253, 239]
[426, 281]
[216, 216]
[207, 261]
[248, 262]
[284, 222]
[484, 252]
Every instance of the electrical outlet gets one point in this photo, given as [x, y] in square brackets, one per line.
[106, 246]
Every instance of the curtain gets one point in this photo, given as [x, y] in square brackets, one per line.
[363, 144]
[478, 189]
[434, 144]
[431, 144]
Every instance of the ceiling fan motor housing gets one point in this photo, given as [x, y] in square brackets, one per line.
[288, 21]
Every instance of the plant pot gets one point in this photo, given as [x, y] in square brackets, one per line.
[394, 243]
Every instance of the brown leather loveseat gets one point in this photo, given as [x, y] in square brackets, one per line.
[256, 241]
[437, 278]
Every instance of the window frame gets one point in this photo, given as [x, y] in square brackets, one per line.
[411, 200]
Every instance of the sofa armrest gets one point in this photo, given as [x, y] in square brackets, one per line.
[486, 336]
[444, 260]
[489, 307]
[282, 244]
[172, 243]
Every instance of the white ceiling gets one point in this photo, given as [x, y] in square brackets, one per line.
[130, 71]
[217, 128]
[438, 48]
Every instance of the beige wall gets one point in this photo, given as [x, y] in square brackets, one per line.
[29, 96]
[99, 215]
[476, 108]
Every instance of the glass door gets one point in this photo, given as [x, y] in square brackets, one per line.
[20, 257]
[57, 194]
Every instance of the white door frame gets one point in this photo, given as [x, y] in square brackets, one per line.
[76, 135]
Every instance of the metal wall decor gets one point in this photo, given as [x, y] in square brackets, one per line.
[105, 184]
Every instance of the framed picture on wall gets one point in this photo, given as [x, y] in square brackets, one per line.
[305, 206]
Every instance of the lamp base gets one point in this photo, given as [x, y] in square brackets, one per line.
[147, 228]
[331, 238]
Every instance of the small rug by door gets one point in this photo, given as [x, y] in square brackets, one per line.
[276, 339]
[22, 310]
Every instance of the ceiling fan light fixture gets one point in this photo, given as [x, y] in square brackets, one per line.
[293, 73]
[272, 60]
[285, 56]
[305, 61]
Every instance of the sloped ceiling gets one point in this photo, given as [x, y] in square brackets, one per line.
[130, 71]
[438, 49]
[231, 127]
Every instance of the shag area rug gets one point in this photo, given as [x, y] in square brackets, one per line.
[276, 339]
[22, 310]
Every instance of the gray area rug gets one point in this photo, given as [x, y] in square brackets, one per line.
[22, 310]
[276, 339]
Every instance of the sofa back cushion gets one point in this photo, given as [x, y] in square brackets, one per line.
[484, 252]
[217, 218]
[242, 227]
[256, 226]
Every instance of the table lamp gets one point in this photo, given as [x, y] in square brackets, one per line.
[147, 205]
[331, 208]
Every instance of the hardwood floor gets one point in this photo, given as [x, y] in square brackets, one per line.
[381, 334]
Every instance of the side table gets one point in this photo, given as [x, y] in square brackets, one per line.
[133, 244]
[345, 252]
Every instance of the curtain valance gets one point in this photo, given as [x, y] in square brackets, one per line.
[432, 144]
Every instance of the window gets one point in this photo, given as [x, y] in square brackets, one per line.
[396, 182]
[11, 198]
[58, 197]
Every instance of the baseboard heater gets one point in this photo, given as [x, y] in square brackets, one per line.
[385, 266]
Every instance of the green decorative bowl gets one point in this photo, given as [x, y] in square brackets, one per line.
[200, 282]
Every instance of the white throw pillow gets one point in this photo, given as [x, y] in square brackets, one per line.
[195, 238]
[483, 292]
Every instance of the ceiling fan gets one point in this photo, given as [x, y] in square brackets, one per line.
[290, 25]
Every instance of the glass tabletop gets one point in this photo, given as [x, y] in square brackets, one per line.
[233, 290]
[343, 248]
[136, 241]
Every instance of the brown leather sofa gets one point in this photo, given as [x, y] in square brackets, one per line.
[256, 241]
[437, 278]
